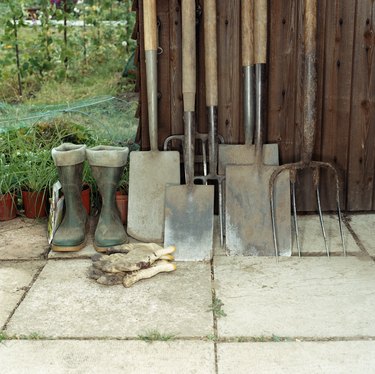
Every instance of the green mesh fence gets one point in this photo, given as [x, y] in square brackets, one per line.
[109, 119]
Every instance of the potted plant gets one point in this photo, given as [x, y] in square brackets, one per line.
[8, 188]
[38, 175]
[122, 194]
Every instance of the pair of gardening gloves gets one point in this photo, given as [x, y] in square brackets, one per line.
[129, 263]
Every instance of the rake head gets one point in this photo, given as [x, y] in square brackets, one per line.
[293, 168]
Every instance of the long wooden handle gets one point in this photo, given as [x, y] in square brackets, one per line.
[260, 31]
[210, 57]
[310, 80]
[188, 55]
[247, 26]
[150, 26]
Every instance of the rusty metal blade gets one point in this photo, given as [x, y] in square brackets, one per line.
[189, 221]
[243, 154]
[248, 216]
[149, 172]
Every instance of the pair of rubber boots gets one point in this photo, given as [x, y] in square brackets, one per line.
[107, 165]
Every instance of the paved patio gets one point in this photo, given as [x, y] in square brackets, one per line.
[300, 315]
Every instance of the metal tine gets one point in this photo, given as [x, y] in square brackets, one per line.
[293, 186]
[340, 222]
[316, 179]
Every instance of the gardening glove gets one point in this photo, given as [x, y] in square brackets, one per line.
[159, 266]
[129, 278]
[139, 256]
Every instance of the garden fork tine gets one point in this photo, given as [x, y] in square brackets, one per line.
[309, 96]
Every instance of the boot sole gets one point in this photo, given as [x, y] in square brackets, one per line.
[105, 249]
[76, 248]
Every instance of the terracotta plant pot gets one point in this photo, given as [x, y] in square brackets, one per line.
[122, 205]
[85, 196]
[35, 204]
[8, 207]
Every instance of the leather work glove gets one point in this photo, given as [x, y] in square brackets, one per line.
[130, 263]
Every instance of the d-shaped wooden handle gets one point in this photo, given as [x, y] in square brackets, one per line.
[260, 31]
[210, 57]
[188, 55]
[247, 28]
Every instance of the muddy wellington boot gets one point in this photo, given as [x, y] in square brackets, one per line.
[107, 165]
[70, 235]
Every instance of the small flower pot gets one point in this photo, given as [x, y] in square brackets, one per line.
[8, 207]
[85, 196]
[122, 205]
[35, 204]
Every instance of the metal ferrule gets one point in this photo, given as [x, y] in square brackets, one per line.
[152, 97]
[189, 145]
[260, 82]
[212, 140]
[249, 102]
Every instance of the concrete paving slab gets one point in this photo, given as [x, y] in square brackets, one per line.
[14, 280]
[16, 223]
[28, 357]
[355, 357]
[23, 239]
[312, 240]
[68, 304]
[364, 226]
[298, 297]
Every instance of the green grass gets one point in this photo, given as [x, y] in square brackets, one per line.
[154, 335]
[3, 336]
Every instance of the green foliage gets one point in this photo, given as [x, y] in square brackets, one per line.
[217, 308]
[64, 45]
[154, 335]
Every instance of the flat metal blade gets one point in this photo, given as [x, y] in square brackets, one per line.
[243, 154]
[189, 221]
[248, 212]
[149, 173]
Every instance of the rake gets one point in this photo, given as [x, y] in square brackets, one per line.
[309, 116]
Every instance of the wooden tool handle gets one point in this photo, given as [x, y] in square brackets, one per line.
[247, 26]
[188, 55]
[150, 26]
[260, 31]
[310, 80]
[210, 57]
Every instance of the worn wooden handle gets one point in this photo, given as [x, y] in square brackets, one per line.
[188, 55]
[247, 26]
[150, 26]
[310, 26]
[260, 31]
[210, 57]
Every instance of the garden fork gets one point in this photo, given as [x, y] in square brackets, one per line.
[309, 117]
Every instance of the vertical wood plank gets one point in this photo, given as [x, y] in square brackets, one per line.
[362, 134]
[229, 70]
[175, 56]
[339, 37]
[164, 77]
[282, 87]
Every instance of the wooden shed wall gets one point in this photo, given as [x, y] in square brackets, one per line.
[346, 79]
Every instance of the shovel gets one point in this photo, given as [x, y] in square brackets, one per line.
[150, 171]
[244, 154]
[189, 209]
[248, 216]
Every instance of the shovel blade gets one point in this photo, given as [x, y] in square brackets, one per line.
[149, 172]
[189, 221]
[248, 212]
[243, 154]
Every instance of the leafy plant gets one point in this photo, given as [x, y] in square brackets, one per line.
[154, 335]
[216, 308]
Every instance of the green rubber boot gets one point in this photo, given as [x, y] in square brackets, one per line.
[107, 165]
[71, 234]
